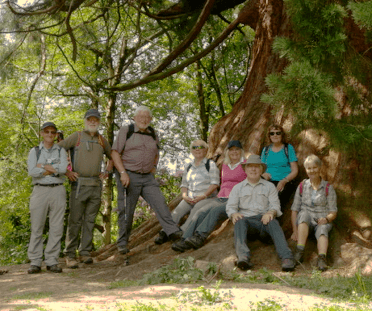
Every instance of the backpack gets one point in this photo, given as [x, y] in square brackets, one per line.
[207, 166]
[131, 132]
[302, 188]
[267, 149]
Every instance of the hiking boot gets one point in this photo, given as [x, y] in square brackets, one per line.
[71, 263]
[54, 268]
[322, 262]
[175, 236]
[299, 255]
[123, 250]
[161, 238]
[86, 259]
[33, 269]
[288, 264]
[180, 246]
[196, 241]
[244, 264]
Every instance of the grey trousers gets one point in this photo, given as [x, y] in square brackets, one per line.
[206, 218]
[46, 200]
[250, 224]
[147, 187]
[83, 212]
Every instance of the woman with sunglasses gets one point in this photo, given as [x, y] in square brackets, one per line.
[281, 161]
[200, 181]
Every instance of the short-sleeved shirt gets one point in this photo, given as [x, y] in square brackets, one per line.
[88, 156]
[55, 156]
[278, 165]
[252, 200]
[140, 152]
[315, 202]
[197, 179]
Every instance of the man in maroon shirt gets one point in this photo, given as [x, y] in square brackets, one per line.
[135, 154]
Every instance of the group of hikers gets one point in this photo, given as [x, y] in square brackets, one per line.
[251, 193]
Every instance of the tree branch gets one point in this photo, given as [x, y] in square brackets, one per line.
[164, 74]
[188, 40]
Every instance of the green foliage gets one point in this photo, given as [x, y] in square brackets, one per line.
[362, 13]
[182, 270]
[266, 305]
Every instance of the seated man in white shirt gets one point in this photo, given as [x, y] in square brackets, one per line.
[253, 205]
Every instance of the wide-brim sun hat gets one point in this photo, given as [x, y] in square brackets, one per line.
[255, 159]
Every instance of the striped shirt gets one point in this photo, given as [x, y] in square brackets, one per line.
[197, 179]
[315, 202]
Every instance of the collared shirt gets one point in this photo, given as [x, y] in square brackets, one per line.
[254, 200]
[234, 166]
[88, 156]
[315, 202]
[55, 156]
[197, 180]
[140, 151]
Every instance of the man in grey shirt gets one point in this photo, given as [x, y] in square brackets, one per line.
[253, 206]
[47, 165]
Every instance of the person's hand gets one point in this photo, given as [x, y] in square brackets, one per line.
[188, 199]
[266, 218]
[47, 173]
[72, 176]
[124, 178]
[199, 198]
[281, 184]
[322, 221]
[104, 175]
[294, 236]
[267, 176]
[235, 217]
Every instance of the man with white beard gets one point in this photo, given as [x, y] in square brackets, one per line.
[87, 149]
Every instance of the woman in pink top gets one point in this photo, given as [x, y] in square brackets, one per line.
[205, 219]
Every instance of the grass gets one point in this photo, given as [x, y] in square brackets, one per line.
[33, 296]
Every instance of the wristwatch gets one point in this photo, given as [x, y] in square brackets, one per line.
[122, 172]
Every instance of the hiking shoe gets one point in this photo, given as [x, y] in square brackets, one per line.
[244, 264]
[196, 241]
[71, 263]
[288, 264]
[86, 259]
[299, 255]
[33, 269]
[54, 268]
[180, 246]
[161, 238]
[175, 236]
[322, 262]
[123, 250]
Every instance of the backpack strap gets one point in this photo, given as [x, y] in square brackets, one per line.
[207, 166]
[131, 132]
[301, 187]
[38, 151]
[79, 139]
[327, 189]
[266, 152]
[286, 151]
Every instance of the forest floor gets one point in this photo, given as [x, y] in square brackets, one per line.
[90, 288]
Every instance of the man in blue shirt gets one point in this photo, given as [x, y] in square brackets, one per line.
[47, 165]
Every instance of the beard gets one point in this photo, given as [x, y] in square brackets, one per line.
[91, 128]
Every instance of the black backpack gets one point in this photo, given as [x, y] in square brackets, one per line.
[131, 132]
[207, 166]
[267, 149]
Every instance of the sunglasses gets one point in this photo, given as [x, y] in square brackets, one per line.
[275, 133]
[198, 147]
[50, 132]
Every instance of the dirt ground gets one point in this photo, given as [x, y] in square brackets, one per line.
[87, 288]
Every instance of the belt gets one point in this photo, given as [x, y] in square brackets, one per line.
[138, 172]
[48, 185]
